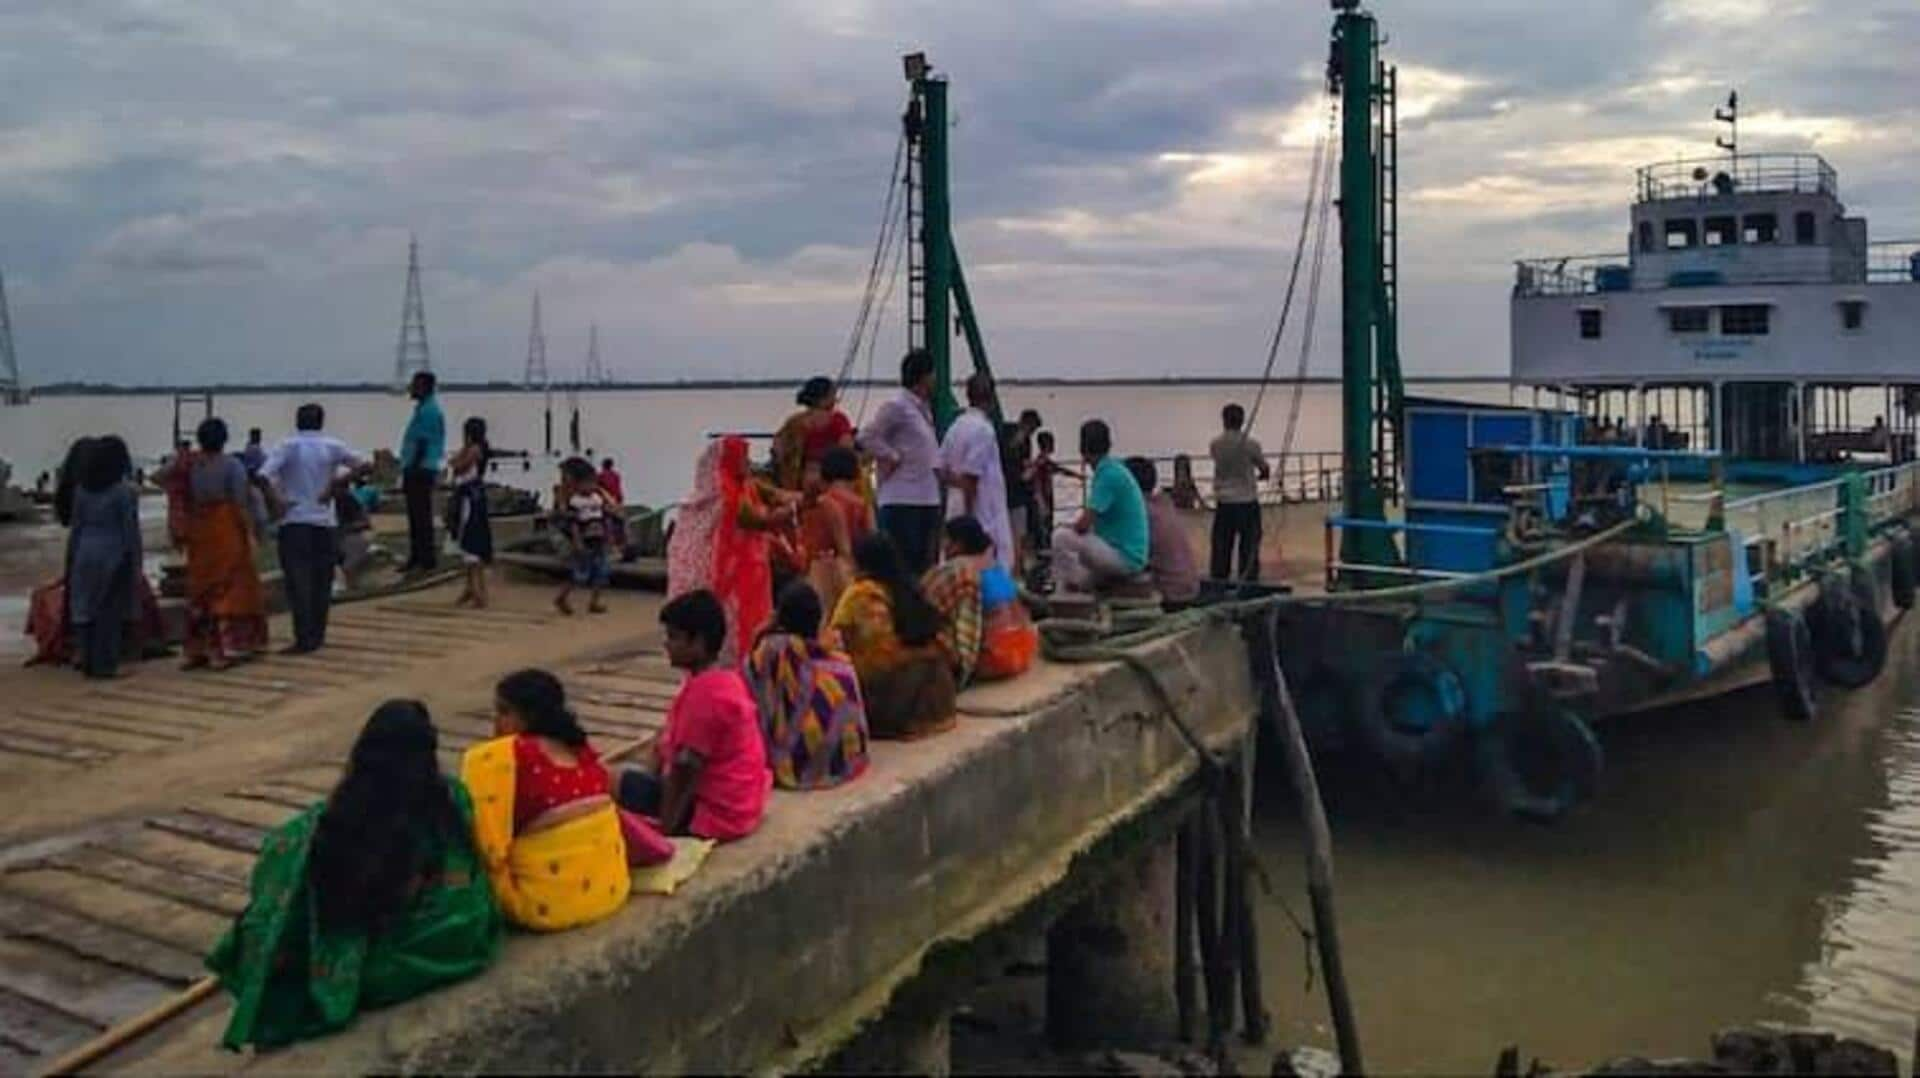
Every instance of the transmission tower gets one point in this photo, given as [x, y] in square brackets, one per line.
[596, 374]
[411, 357]
[11, 391]
[537, 351]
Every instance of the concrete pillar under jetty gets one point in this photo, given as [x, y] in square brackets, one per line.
[910, 1038]
[1110, 960]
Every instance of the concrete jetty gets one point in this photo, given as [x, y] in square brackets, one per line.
[841, 931]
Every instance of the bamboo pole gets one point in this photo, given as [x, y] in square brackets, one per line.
[1184, 989]
[112, 1040]
[1227, 856]
[1207, 919]
[1276, 708]
[1255, 1022]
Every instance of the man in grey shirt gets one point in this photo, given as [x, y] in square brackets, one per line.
[1239, 466]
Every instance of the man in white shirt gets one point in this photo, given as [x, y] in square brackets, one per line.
[905, 450]
[970, 467]
[304, 470]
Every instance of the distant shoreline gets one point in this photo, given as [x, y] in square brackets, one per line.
[88, 389]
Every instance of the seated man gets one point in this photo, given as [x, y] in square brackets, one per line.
[1170, 559]
[710, 776]
[1108, 541]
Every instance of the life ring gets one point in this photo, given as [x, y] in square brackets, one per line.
[1901, 570]
[1539, 764]
[1849, 639]
[1411, 710]
[1790, 656]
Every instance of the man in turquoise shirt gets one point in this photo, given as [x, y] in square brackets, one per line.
[1108, 540]
[422, 448]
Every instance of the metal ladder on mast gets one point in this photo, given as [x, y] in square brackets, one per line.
[1388, 387]
[916, 228]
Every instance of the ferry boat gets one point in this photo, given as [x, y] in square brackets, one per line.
[1710, 485]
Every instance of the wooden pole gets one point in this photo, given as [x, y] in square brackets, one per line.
[1255, 1022]
[114, 1039]
[1276, 708]
[1184, 989]
[1207, 920]
[1227, 855]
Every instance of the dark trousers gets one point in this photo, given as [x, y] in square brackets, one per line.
[99, 639]
[422, 553]
[640, 791]
[307, 559]
[914, 530]
[1236, 525]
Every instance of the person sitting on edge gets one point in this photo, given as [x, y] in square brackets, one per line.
[710, 777]
[554, 845]
[808, 693]
[373, 896]
[1108, 542]
[894, 636]
[988, 630]
[1176, 573]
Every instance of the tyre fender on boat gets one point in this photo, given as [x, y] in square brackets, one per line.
[1849, 639]
[1411, 712]
[1539, 764]
[1901, 570]
[1790, 656]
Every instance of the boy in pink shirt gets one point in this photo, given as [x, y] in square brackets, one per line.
[710, 777]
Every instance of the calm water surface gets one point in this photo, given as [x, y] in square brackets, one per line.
[1736, 868]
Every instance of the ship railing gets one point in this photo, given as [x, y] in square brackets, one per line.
[1893, 261]
[1805, 173]
[1892, 494]
[1298, 478]
[1335, 566]
[1803, 523]
[1571, 275]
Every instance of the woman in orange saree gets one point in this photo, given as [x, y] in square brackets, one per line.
[721, 542]
[226, 606]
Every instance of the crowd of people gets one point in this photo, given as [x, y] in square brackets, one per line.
[844, 591]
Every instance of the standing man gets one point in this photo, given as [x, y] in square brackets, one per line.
[1239, 464]
[422, 450]
[1108, 541]
[1016, 457]
[255, 454]
[901, 441]
[306, 469]
[970, 468]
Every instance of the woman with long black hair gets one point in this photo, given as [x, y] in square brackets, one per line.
[894, 637]
[373, 897]
[467, 516]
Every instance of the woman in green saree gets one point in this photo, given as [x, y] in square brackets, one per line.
[373, 897]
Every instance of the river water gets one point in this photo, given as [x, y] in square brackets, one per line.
[1735, 867]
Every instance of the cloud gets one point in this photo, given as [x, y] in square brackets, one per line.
[704, 181]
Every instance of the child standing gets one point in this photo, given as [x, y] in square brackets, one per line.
[1040, 473]
[581, 508]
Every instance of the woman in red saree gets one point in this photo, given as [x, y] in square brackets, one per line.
[226, 606]
[720, 542]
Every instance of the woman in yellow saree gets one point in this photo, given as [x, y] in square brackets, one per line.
[544, 818]
[893, 636]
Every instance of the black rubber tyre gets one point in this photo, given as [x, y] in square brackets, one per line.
[1849, 639]
[1901, 570]
[1411, 712]
[1790, 656]
[1539, 765]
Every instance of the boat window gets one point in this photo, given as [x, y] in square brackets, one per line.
[1590, 325]
[1744, 320]
[1761, 228]
[1853, 313]
[1682, 232]
[1646, 236]
[1688, 319]
[1722, 231]
[1803, 227]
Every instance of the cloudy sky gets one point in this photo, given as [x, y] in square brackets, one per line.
[197, 190]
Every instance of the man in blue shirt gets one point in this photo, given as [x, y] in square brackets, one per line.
[421, 451]
[1108, 541]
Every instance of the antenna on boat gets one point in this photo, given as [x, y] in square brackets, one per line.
[1730, 142]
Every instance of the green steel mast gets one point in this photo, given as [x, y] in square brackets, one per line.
[1370, 363]
[936, 288]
